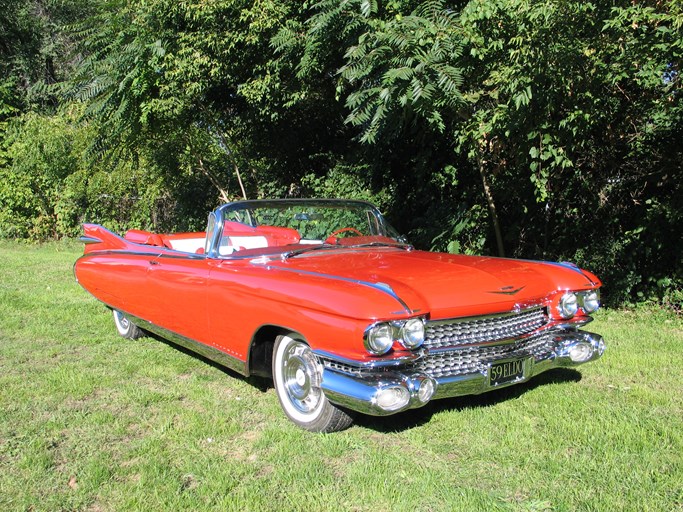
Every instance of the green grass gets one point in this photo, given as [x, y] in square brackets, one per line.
[89, 421]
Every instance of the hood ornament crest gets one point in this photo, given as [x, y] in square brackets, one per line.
[508, 290]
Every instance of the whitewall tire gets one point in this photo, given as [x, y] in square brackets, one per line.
[297, 376]
[125, 327]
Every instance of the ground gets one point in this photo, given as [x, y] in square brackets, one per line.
[90, 421]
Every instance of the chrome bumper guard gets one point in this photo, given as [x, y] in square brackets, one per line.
[384, 390]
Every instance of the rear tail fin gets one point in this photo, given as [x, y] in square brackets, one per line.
[99, 238]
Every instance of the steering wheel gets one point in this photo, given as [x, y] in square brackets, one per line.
[332, 239]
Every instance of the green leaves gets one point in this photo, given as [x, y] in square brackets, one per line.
[368, 7]
[403, 65]
[559, 120]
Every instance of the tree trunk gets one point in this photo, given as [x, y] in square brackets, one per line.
[221, 191]
[229, 152]
[239, 179]
[491, 204]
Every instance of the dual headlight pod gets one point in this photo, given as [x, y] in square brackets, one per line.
[570, 302]
[396, 396]
[380, 337]
[590, 300]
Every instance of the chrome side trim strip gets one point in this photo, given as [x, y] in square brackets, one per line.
[182, 255]
[207, 351]
[382, 287]
[570, 266]
[176, 255]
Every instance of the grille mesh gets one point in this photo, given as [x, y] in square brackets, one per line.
[460, 332]
[462, 346]
[475, 359]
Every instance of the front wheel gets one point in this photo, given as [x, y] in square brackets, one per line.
[125, 327]
[297, 377]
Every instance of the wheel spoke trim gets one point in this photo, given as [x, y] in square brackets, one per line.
[301, 378]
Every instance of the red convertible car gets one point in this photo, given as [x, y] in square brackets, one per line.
[325, 298]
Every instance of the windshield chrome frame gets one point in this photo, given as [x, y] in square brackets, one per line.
[220, 213]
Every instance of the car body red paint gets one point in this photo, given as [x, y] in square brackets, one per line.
[282, 288]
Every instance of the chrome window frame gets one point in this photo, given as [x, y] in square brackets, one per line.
[215, 232]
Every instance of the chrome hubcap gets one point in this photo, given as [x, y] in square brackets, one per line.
[123, 321]
[301, 377]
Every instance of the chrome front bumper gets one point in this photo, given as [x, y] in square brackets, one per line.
[367, 389]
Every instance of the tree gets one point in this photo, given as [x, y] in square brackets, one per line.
[180, 78]
[565, 109]
[557, 122]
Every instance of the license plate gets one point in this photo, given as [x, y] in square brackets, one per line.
[505, 372]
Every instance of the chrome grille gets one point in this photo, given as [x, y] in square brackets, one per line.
[341, 367]
[471, 359]
[467, 345]
[467, 331]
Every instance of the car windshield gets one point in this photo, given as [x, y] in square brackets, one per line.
[297, 226]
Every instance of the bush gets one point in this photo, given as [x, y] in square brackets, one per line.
[50, 185]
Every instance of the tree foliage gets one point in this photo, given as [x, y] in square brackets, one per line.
[544, 129]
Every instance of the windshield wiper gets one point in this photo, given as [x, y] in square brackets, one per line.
[297, 252]
[308, 248]
[406, 247]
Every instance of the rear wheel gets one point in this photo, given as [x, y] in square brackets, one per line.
[126, 328]
[297, 376]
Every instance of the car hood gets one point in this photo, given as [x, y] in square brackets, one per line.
[443, 285]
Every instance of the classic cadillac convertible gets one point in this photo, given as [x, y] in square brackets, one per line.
[328, 300]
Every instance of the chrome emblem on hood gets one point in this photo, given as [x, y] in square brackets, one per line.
[508, 290]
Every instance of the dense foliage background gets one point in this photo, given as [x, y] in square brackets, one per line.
[537, 129]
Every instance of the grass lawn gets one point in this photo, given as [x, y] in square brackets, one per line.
[90, 421]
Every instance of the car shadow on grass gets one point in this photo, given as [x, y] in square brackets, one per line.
[417, 417]
[413, 417]
[261, 383]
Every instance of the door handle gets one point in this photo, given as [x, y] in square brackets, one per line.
[153, 262]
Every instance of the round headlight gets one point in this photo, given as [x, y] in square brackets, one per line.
[580, 352]
[426, 391]
[413, 333]
[591, 301]
[378, 339]
[568, 305]
[392, 398]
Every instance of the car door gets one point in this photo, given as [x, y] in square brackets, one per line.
[176, 286]
[235, 299]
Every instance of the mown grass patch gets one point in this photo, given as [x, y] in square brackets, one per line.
[89, 421]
